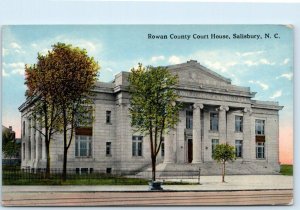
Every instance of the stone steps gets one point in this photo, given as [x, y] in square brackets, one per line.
[212, 168]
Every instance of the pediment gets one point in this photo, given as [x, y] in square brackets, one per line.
[194, 73]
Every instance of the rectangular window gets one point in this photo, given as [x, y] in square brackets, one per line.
[214, 121]
[239, 148]
[259, 127]
[85, 119]
[23, 151]
[108, 170]
[214, 143]
[163, 148]
[84, 171]
[108, 148]
[24, 128]
[260, 150]
[77, 170]
[29, 129]
[29, 149]
[83, 146]
[238, 123]
[108, 117]
[137, 145]
[189, 119]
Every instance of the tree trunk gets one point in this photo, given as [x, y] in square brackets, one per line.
[64, 175]
[223, 172]
[153, 158]
[47, 143]
[47, 140]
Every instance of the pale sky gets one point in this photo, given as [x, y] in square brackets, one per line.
[264, 65]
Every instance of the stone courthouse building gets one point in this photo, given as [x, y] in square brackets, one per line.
[214, 112]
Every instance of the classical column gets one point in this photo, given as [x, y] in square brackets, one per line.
[38, 144]
[32, 138]
[169, 152]
[26, 139]
[44, 157]
[28, 136]
[206, 141]
[223, 124]
[197, 150]
[248, 144]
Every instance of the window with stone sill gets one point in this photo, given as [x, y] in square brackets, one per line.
[29, 149]
[260, 150]
[24, 128]
[137, 146]
[108, 148]
[29, 128]
[85, 119]
[84, 170]
[239, 124]
[108, 117]
[259, 127]
[239, 148]
[23, 154]
[83, 146]
[214, 121]
[214, 143]
[189, 119]
[108, 170]
[162, 148]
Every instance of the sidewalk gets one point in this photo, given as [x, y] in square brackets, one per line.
[208, 183]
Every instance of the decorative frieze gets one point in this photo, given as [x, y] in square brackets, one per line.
[213, 96]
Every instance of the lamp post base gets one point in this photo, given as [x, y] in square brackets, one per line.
[155, 185]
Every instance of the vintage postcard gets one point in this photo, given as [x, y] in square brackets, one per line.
[143, 115]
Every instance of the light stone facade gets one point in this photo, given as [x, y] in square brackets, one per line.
[215, 106]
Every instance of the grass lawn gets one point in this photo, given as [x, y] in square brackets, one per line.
[32, 180]
[106, 181]
[15, 176]
[286, 170]
[86, 181]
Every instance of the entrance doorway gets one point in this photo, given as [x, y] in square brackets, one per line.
[190, 150]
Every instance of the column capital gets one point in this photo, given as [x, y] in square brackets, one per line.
[198, 105]
[248, 110]
[223, 108]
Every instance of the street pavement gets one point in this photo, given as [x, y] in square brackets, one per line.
[237, 190]
[146, 198]
[207, 183]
